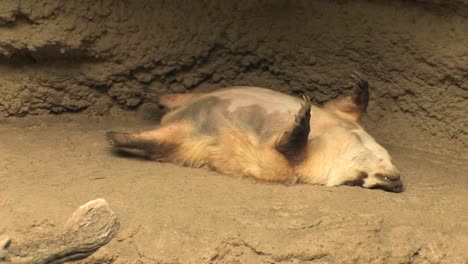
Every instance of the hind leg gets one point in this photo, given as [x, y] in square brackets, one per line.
[240, 153]
[157, 144]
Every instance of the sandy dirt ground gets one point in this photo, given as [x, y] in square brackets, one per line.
[169, 214]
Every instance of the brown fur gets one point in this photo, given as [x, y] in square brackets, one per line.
[234, 152]
[252, 132]
[351, 107]
[345, 108]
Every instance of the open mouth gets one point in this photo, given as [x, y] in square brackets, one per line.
[387, 185]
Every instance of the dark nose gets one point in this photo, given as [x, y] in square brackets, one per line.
[398, 189]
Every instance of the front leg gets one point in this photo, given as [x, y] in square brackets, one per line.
[293, 142]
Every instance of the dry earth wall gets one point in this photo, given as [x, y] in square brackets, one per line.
[102, 56]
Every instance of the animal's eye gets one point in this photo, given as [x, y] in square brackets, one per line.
[383, 177]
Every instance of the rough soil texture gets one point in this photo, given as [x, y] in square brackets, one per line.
[170, 214]
[58, 56]
[109, 60]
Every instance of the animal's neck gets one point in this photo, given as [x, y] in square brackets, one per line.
[313, 170]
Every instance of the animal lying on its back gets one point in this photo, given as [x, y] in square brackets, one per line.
[270, 136]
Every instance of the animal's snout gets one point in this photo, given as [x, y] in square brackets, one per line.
[390, 181]
[388, 176]
[398, 188]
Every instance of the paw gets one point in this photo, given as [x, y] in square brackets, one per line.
[292, 181]
[4, 244]
[305, 101]
[304, 112]
[110, 137]
[359, 81]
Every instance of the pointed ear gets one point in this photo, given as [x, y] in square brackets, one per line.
[352, 107]
[361, 93]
